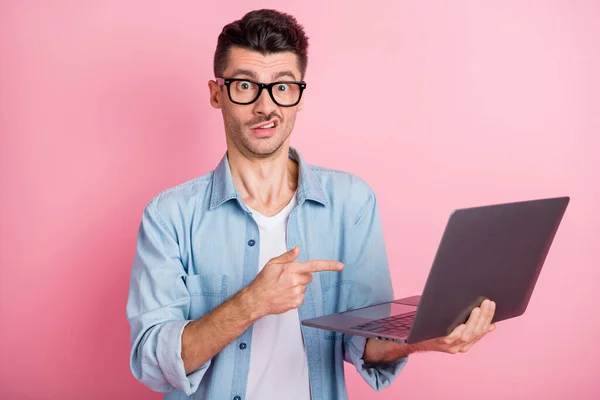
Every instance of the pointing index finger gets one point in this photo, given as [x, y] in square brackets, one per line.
[319, 266]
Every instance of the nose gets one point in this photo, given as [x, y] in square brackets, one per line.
[264, 104]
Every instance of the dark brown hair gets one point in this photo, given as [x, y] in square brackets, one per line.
[264, 31]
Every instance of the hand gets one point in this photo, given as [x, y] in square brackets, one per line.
[464, 336]
[281, 284]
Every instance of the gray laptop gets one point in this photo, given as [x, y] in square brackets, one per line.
[494, 252]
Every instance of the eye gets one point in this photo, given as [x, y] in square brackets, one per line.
[282, 87]
[245, 85]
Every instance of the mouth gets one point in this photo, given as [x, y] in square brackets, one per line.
[266, 125]
[265, 129]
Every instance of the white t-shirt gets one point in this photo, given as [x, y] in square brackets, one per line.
[278, 362]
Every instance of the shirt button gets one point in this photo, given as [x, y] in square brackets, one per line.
[237, 398]
[243, 346]
[251, 242]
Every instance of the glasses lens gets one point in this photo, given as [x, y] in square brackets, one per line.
[286, 94]
[243, 91]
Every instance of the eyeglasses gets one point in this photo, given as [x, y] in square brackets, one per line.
[244, 91]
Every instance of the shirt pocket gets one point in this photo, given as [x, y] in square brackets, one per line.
[335, 299]
[207, 291]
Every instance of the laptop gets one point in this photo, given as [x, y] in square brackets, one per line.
[494, 252]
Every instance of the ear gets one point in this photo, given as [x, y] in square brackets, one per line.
[215, 94]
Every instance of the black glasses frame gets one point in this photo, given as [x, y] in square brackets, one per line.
[268, 86]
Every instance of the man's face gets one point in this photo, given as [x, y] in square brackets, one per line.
[243, 122]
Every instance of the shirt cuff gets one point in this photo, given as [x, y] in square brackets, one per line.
[168, 353]
[378, 376]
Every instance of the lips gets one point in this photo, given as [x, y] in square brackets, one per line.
[265, 129]
[266, 125]
[269, 125]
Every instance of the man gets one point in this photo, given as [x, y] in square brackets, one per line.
[229, 263]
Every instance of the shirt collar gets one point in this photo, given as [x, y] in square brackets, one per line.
[223, 188]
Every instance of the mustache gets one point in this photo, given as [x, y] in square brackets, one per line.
[263, 119]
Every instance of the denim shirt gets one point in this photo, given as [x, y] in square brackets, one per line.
[198, 245]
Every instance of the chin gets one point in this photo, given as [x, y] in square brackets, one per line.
[264, 149]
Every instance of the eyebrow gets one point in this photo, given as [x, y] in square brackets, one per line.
[252, 75]
[244, 72]
[284, 73]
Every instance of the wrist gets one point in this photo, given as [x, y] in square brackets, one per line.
[249, 303]
[379, 351]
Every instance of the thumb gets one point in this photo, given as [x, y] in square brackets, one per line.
[286, 257]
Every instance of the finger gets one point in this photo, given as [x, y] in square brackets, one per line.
[484, 320]
[491, 309]
[286, 257]
[303, 278]
[455, 335]
[467, 347]
[299, 290]
[297, 279]
[467, 335]
[484, 325]
[299, 301]
[319, 266]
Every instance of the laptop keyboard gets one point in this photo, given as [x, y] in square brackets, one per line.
[396, 325]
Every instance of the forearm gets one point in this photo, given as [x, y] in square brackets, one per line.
[206, 337]
[382, 352]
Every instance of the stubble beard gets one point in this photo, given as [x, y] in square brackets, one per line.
[261, 148]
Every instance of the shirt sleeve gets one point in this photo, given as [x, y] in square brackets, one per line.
[372, 285]
[157, 309]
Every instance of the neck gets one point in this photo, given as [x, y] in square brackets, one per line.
[264, 184]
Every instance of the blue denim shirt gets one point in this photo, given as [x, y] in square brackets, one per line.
[198, 245]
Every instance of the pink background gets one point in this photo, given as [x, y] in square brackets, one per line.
[437, 104]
